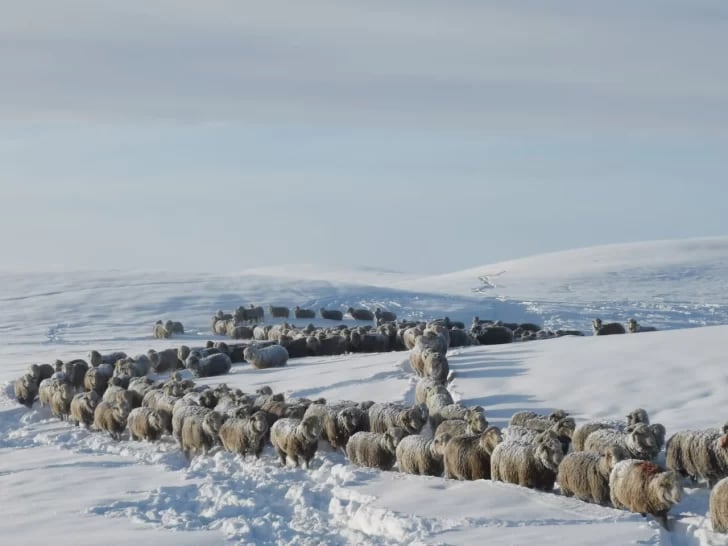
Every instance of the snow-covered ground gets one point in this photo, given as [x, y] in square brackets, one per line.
[82, 487]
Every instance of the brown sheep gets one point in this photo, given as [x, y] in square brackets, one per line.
[469, 457]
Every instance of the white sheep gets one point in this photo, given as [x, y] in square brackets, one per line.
[273, 356]
[470, 457]
[111, 418]
[375, 449]
[383, 416]
[419, 455]
[244, 435]
[585, 475]
[296, 438]
[145, 424]
[637, 442]
[643, 487]
[719, 506]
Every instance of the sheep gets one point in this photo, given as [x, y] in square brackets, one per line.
[296, 347]
[719, 506]
[75, 371]
[220, 328]
[245, 435]
[699, 454]
[216, 364]
[460, 338]
[145, 424]
[164, 361]
[425, 386]
[296, 438]
[493, 335]
[200, 432]
[423, 356]
[83, 406]
[303, 313]
[637, 442]
[435, 403]
[159, 331]
[384, 416]
[581, 433]
[163, 403]
[601, 329]
[339, 422]
[375, 449]
[273, 356]
[360, 314]
[138, 366]
[557, 422]
[536, 421]
[331, 345]
[475, 424]
[410, 335]
[96, 358]
[142, 385]
[384, 316]
[118, 395]
[531, 465]
[419, 455]
[470, 457]
[279, 312]
[585, 475]
[111, 418]
[174, 327]
[331, 314]
[633, 327]
[41, 371]
[61, 398]
[643, 487]
[369, 342]
[239, 331]
[26, 389]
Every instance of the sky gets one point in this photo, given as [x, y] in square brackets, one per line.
[418, 136]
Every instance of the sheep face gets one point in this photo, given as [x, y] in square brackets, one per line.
[490, 438]
[259, 422]
[393, 437]
[350, 418]
[558, 415]
[642, 437]
[668, 487]
[476, 420]
[414, 419]
[312, 428]
[565, 427]
[438, 445]
[212, 422]
[550, 454]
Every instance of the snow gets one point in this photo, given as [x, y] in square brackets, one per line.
[83, 486]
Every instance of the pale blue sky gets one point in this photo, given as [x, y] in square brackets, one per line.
[421, 136]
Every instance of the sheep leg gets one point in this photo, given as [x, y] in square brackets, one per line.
[282, 456]
[662, 518]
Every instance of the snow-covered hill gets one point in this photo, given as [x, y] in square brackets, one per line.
[84, 488]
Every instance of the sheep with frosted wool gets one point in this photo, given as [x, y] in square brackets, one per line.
[383, 416]
[273, 356]
[585, 475]
[296, 438]
[244, 435]
[533, 465]
[470, 457]
[339, 422]
[645, 488]
[83, 406]
[419, 455]
[637, 442]
[111, 418]
[375, 449]
[145, 424]
[699, 454]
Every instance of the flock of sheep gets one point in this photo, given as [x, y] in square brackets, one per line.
[604, 462]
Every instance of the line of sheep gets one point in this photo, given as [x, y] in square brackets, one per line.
[605, 462]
